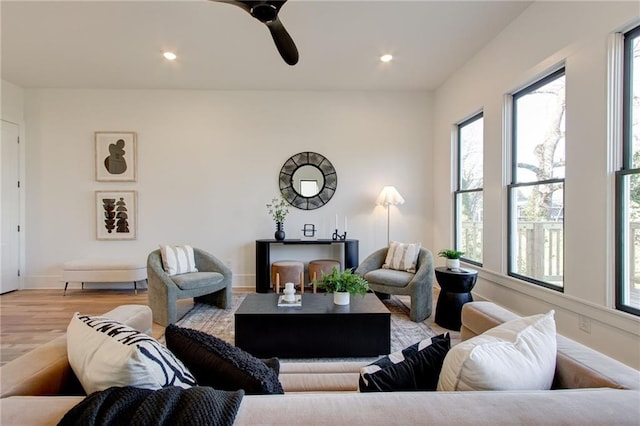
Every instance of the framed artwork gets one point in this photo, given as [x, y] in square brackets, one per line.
[116, 213]
[116, 156]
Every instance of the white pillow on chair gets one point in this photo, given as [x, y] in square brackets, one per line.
[402, 256]
[178, 259]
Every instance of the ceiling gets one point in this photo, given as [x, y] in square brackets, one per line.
[119, 44]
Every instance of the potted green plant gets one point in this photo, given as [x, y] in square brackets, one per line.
[452, 256]
[278, 209]
[342, 285]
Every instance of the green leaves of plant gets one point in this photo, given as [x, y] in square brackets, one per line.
[343, 281]
[450, 254]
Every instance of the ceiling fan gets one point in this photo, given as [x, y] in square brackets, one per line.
[266, 11]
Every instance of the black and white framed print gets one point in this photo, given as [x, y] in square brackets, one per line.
[116, 215]
[116, 156]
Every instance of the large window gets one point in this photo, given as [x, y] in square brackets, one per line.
[628, 183]
[536, 192]
[468, 195]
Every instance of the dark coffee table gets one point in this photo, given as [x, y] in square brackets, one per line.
[318, 328]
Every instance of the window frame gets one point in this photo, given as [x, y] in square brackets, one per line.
[514, 184]
[625, 169]
[459, 191]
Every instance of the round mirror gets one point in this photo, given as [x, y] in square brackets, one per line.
[308, 180]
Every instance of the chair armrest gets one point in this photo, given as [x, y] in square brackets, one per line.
[372, 262]
[425, 269]
[206, 262]
[156, 275]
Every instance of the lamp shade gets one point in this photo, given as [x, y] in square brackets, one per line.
[388, 196]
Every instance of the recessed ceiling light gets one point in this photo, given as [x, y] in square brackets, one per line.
[386, 58]
[169, 56]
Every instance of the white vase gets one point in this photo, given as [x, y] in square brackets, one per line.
[341, 298]
[453, 263]
[289, 292]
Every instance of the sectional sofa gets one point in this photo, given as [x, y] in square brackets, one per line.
[39, 387]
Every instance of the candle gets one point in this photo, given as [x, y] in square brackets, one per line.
[336, 220]
[345, 224]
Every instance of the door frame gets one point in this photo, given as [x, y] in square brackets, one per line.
[21, 201]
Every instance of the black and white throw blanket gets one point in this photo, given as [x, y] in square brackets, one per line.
[168, 406]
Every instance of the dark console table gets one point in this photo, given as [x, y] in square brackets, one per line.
[318, 328]
[263, 257]
[455, 291]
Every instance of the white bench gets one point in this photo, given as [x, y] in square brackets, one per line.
[103, 271]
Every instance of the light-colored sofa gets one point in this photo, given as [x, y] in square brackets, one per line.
[590, 389]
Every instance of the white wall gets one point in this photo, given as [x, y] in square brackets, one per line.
[546, 34]
[12, 108]
[208, 162]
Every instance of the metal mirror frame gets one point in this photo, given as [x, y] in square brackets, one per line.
[289, 192]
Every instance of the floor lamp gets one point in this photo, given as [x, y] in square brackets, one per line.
[387, 197]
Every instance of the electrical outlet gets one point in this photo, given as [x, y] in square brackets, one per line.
[584, 324]
[229, 264]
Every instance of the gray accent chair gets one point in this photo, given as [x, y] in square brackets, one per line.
[418, 286]
[211, 285]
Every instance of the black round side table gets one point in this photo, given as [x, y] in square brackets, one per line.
[455, 291]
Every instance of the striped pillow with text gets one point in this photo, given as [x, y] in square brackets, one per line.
[103, 353]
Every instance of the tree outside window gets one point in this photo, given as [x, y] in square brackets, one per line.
[468, 195]
[536, 194]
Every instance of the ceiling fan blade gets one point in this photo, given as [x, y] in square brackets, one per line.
[248, 5]
[284, 42]
[240, 4]
[266, 11]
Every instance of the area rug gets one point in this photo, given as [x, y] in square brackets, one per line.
[219, 322]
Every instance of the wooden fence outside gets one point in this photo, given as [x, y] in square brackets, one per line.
[540, 252]
[540, 248]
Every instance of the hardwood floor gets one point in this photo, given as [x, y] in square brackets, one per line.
[29, 318]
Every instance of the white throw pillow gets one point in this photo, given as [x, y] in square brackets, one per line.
[517, 355]
[103, 353]
[402, 256]
[178, 259]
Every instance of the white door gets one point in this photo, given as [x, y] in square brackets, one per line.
[10, 212]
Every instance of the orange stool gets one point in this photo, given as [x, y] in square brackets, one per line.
[321, 266]
[287, 271]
